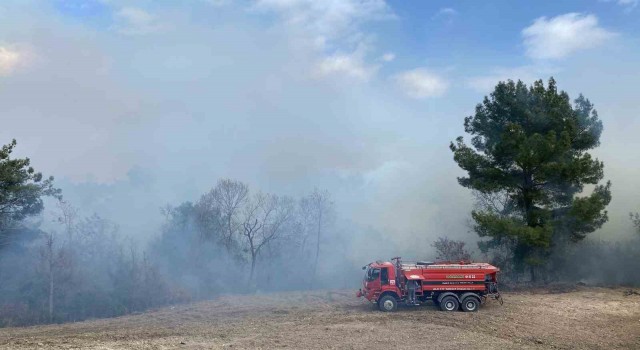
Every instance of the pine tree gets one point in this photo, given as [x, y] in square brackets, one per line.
[21, 191]
[530, 143]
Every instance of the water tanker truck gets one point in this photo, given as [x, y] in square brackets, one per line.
[449, 285]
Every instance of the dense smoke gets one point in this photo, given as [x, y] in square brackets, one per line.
[140, 123]
[233, 239]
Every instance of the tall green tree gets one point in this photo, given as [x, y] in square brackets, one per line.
[21, 191]
[530, 143]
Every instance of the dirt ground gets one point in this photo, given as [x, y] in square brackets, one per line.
[585, 318]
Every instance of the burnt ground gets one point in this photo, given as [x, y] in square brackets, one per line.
[584, 318]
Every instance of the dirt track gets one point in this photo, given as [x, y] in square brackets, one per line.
[588, 318]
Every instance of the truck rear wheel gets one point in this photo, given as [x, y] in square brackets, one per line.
[387, 303]
[449, 303]
[470, 304]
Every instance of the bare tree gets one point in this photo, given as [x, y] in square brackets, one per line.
[497, 250]
[635, 219]
[55, 260]
[494, 202]
[305, 216]
[450, 250]
[96, 239]
[56, 254]
[318, 212]
[208, 219]
[219, 210]
[67, 218]
[264, 217]
[49, 255]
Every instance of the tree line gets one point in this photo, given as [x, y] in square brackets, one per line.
[231, 240]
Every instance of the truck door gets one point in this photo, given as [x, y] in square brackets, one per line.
[384, 276]
[373, 279]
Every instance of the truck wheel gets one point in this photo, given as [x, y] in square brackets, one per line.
[470, 304]
[449, 303]
[388, 303]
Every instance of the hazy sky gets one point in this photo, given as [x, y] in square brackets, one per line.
[133, 104]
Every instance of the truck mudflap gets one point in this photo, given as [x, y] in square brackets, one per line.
[494, 293]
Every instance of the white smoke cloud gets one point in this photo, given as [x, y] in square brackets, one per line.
[234, 98]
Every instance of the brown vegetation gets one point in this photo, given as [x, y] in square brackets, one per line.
[586, 318]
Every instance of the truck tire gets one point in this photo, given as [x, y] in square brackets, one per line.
[470, 304]
[388, 303]
[449, 303]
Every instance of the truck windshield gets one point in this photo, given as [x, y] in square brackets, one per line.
[373, 274]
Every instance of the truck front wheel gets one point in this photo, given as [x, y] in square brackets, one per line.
[388, 303]
[449, 303]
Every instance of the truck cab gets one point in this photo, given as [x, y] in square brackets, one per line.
[379, 277]
[380, 280]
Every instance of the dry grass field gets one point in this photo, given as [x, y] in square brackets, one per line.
[583, 318]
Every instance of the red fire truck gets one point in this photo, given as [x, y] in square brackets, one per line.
[452, 286]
